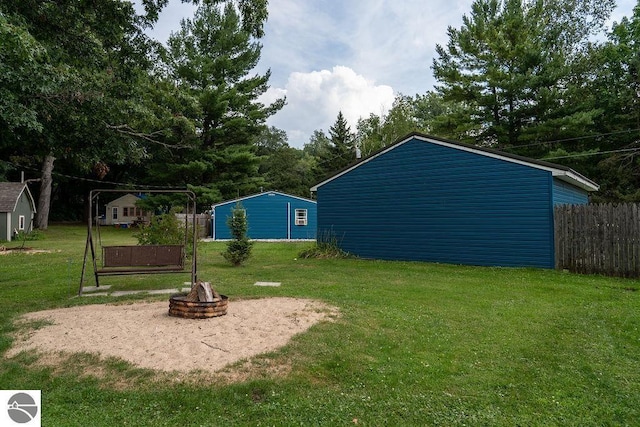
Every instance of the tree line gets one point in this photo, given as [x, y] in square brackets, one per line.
[88, 98]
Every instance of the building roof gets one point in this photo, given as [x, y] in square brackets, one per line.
[561, 172]
[258, 195]
[10, 193]
[123, 198]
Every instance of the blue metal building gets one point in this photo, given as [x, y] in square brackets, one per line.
[430, 199]
[270, 215]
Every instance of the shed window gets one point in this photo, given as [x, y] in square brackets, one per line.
[21, 222]
[114, 213]
[301, 217]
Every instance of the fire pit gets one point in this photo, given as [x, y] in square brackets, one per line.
[201, 303]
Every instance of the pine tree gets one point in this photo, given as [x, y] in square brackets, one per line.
[335, 152]
[616, 90]
[210, 59]
[239, 248]
[342, 149]
[514, 69]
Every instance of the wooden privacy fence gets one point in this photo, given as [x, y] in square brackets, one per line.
[598, 239]
[203, 221]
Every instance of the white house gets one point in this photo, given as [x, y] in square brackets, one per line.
[123, 210]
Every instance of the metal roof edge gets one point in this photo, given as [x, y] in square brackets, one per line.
[578, 180]
[563, 172]
[367, 159]
[251, 196]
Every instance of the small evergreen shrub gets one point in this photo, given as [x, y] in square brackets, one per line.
[239, 248]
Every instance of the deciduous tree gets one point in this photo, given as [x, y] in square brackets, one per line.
[85, 104]
[284, 168]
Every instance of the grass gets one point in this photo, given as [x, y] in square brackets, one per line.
[416, 344]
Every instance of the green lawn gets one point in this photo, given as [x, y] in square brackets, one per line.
[416, 344]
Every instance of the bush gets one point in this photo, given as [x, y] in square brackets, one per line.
[238, 249]
[162, 230]
[34, 234]
[326, 246]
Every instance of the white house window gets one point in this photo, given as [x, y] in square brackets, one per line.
[21, 222]
[301, 217]
[114, 213]
[129, 211]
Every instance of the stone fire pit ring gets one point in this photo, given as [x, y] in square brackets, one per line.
[179, 306]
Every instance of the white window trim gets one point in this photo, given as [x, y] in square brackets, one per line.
[21, 222]
[301, 217]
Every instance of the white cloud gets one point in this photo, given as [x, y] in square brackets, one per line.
[315, 98]
[392, 43]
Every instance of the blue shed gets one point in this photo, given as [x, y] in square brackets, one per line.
[430, 199]
[270, 215]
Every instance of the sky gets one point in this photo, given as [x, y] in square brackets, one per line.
[353, 56]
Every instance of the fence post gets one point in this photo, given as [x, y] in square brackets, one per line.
[601, 239]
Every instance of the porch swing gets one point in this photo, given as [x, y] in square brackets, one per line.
[139, 259]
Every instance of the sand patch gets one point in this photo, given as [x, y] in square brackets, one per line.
[145, 335]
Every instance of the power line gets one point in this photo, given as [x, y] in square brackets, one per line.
[577, 138]
[79, 178]
[625, 150]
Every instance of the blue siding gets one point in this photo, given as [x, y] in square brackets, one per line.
[426, 202]
[567, 194]
[267, 217]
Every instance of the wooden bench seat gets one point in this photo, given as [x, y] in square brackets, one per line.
[139, 270]
[143, 259]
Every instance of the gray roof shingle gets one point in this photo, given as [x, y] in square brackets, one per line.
[9, 194]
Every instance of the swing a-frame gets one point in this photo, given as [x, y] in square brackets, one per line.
[139, 259]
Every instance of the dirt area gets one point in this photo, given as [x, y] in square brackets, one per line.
[145, 335]
[22, 250]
